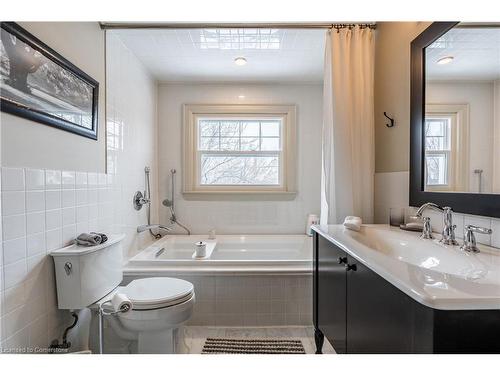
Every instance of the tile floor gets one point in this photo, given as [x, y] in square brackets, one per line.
[195, 336]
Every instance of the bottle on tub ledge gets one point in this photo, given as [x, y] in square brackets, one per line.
[312, 219]
[211, 234]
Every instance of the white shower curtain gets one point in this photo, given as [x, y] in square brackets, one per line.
[348, 126]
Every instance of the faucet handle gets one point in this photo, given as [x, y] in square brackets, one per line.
[470, 239]
[427, 229]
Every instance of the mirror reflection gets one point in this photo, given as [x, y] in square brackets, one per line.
[462, 111]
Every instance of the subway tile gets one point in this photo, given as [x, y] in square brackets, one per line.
[35, 179]
[81, 180]
[53, 179]
[14, 226]
[35, 244]
[68, 234]
[15, 321]
[35, 201]
[53, 219]
[82, 227]
[52, 199]
[102, 180]
[68, 216]
[13, 203]
[35, 222]
[18, 341]
[68, 180]
[82, 214]
[92, 180]
[14, 250]
[81, 197]
[53, 239]
[68, 198]
[14, 273]
[12, 179]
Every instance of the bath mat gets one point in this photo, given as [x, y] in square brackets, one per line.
[252, 346]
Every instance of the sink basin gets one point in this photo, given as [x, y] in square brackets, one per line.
[439, 276]
[428, 254]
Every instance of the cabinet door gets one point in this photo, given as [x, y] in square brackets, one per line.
[330, 293]
[379, 316]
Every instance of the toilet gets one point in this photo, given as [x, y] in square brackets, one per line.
[90, 277]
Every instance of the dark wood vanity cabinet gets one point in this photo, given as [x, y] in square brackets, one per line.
[360, 312]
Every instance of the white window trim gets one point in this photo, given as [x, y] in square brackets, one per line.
[190, 152]
[459, 145]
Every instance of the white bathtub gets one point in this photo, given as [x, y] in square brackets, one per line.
[232, 254]
[250, 280]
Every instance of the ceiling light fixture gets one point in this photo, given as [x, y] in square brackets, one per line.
[445, 60]
[240, 61]
[241, 96]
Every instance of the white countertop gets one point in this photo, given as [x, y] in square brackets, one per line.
[438, 276]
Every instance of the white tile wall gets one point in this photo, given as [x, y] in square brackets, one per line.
[43, 210]
[33, 224]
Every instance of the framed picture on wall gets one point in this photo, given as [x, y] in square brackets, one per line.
[39, 84]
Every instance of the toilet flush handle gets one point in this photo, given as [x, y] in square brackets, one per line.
[68, 267]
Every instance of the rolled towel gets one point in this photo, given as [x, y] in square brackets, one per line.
[353, 223]
[104, 238]
[88, 239]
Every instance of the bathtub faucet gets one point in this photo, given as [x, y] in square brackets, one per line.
[142, 228]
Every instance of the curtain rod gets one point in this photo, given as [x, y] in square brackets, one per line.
[271, 25]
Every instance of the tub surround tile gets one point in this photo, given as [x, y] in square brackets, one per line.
[81, 180]
[53, 219]
[35, 244]
[14, 273]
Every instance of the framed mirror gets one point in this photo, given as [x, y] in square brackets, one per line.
[455, 117]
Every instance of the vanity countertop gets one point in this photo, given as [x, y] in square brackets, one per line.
[436, 275]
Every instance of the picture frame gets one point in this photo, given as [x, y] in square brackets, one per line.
[39, 84]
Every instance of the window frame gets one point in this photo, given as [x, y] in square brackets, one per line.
[287, 154]
[458, 155]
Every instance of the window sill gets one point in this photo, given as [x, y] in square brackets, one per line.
[217, 195]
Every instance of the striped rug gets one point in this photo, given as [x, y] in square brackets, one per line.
[252, 346]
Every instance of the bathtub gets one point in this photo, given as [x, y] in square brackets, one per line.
[232, 254]
[249, 280]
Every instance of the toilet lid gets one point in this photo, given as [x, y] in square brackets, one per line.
[157, 292]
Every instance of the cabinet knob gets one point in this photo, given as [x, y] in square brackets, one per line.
[351, 267]
[342, 260]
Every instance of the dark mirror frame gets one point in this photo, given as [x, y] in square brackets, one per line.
[469, 203]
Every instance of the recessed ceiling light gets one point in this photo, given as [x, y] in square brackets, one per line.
[445, 60]
[240, 61]
[241, 96]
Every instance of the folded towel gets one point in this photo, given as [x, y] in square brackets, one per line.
[88, 239]
[353, 223]
[104, 238]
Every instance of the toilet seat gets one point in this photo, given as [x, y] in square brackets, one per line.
[157, 292]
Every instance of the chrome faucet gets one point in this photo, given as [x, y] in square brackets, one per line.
[470, 240]
[448, 233]
[143, 228]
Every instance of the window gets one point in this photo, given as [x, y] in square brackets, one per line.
[438, 150]
[240, 149]
[446, 147]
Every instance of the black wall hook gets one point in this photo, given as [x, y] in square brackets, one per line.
[390, 119]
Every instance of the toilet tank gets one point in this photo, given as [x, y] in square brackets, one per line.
[85, 274]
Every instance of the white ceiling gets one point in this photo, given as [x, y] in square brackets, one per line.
[183, 55]
[476, 55]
